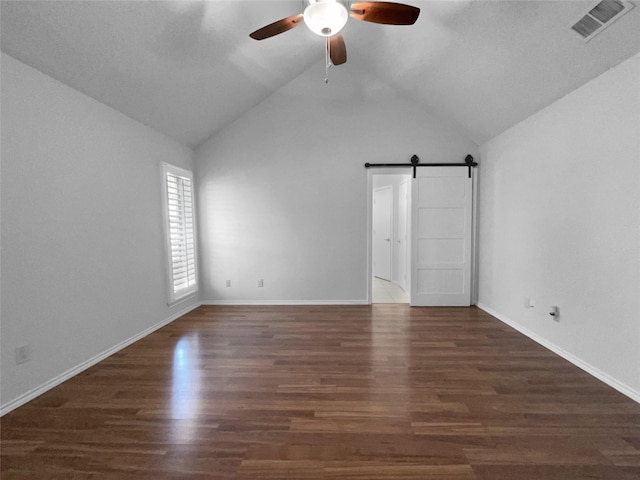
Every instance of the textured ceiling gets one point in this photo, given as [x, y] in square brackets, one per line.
[188, 68]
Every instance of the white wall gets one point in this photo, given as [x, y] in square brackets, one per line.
[283, 190]
[82, 238]
[559, 223]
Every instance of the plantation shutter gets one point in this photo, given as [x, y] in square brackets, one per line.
[181, 232]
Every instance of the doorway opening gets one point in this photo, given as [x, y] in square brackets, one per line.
[390, 234]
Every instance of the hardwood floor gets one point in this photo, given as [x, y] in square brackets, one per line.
[345, 392]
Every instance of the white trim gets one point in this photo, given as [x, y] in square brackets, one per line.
[184, 298]
[587, 367]
[48, 385]
[369, 200]
[404, 283]
[284, 302]
[176, 297]
[475, 256]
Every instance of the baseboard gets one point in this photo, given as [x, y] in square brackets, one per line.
[31, 394]
[285, 302]
[587, 367]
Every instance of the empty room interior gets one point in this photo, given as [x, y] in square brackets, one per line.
[320, 239]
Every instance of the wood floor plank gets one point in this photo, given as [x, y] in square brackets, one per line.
[336, 392]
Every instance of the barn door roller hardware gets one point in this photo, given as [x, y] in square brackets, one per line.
[415, 162]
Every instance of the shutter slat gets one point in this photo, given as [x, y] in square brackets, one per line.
[181, 232]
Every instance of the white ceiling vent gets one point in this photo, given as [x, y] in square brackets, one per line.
[600, 17]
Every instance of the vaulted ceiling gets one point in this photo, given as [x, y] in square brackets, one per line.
[188, 68]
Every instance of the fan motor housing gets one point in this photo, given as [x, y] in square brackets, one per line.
[325, 17]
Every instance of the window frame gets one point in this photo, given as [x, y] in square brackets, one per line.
[191, 290]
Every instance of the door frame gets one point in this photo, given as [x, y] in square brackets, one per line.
[370, 174]
[474, 230]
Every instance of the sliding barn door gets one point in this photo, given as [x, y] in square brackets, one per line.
[441, 237]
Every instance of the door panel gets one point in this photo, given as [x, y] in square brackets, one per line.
[440, 251]
[442, 191]
[441, 237]
[441, 281]
[436, 222]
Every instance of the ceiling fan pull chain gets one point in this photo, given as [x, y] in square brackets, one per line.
[327, 55]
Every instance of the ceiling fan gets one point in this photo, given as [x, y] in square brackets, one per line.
[327, 17]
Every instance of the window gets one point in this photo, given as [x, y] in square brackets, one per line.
[180, 232]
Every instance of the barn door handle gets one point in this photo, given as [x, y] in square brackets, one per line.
[387, 239]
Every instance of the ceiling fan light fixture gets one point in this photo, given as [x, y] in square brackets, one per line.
[325, 17]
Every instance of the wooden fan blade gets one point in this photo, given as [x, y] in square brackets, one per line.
[387, 13]
[337, 49]
[278, 27]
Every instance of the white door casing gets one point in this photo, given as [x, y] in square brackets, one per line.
[382, 231]
[441, 209]
[401, 241]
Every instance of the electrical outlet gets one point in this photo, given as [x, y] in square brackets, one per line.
[23, 354]
[260, 283]
[228, 283]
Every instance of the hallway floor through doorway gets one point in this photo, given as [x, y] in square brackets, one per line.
[388, 292]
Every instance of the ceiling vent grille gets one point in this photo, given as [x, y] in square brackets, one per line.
[600, 17]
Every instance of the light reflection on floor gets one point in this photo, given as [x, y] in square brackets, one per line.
[186, 388]
[390, 357]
